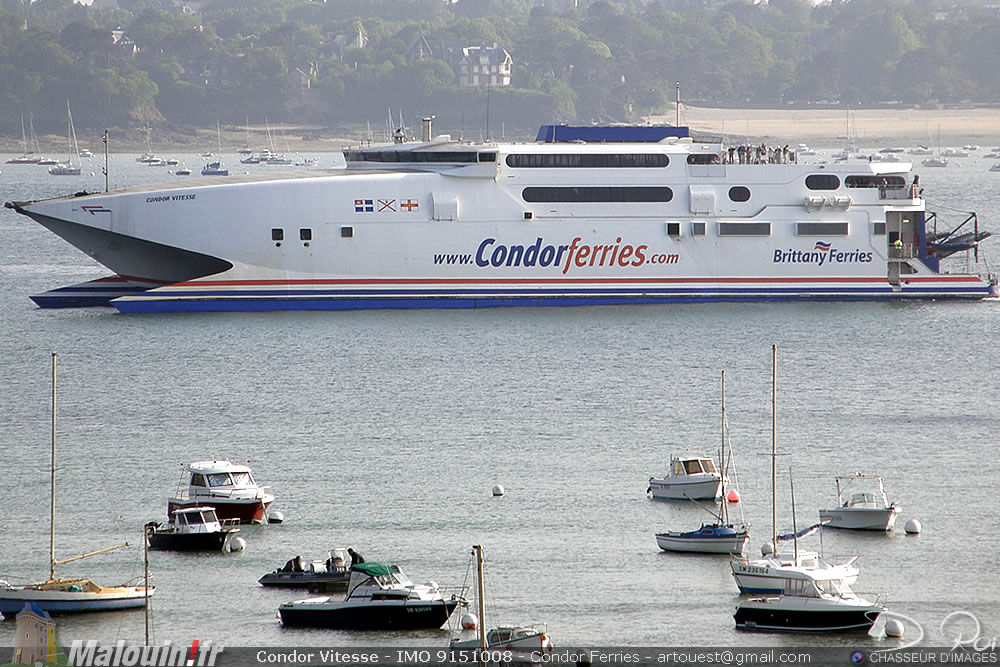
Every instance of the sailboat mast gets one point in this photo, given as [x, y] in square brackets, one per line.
[482, 603]
[145, 557]
[795, 527]
[774, 447]
[52, 480]
[722, 458]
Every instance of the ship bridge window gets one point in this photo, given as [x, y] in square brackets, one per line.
[873, 181]
[597, 194]
[703, 158]
[219, 479]
[744, 229]
[821, 228]
[413, 156]
[822, 182]
[197, 479]
[739, 193]
[587, 160]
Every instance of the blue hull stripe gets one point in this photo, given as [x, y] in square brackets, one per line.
[277, 301]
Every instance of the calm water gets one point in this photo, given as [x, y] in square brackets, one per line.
[387, 430]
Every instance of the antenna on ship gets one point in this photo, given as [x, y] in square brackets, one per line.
[677, 104]
[107, 163]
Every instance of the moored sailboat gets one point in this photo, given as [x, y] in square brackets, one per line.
[720, 537]
[68, 168]
[771, 573]
[68, 595]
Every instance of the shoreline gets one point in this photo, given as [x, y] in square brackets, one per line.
[870, 127]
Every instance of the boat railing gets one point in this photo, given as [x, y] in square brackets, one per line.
[229, 523]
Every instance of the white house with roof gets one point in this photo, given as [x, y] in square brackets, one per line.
[481, 66]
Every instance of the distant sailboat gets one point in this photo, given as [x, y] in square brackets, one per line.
[68, 595]
[68, 168]
[26, 157]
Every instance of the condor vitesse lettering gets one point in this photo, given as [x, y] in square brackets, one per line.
[567, 256]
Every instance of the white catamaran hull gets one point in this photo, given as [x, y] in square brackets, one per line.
[488, 234]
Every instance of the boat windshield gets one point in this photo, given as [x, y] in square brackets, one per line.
[861, 500]
[242, 479]
[219, 479]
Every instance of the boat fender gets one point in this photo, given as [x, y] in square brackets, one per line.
[649, 489]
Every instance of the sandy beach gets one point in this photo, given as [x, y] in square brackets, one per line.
[872, 127]
[822, 127]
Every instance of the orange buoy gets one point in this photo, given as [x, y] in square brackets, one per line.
[733, 496]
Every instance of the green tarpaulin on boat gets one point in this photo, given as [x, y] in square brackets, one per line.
[374, 569]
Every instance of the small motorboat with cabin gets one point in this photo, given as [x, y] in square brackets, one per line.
[214, 168]
[227, 487]
[191, 529]
[809, 606]
[379, 597]
[865, 510]
[317, 576]
[690, 478]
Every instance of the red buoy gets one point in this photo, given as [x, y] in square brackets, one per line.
[733, 496]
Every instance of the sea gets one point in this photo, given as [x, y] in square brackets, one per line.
[387, 431]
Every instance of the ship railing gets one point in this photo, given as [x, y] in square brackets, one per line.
[905, 192]
[902, 251]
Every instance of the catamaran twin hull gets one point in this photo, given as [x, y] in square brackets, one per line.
[451, 226]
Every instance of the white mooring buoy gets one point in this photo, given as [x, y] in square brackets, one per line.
[275, 517]
[469, 621]
[236, 544]
[893, 628]
[766, 549]
[498, 490]
[912, 527]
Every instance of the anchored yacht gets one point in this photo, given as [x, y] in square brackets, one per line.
[583, 215]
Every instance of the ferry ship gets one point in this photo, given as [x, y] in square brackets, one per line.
[582, 215]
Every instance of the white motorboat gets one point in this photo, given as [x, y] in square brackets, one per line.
[935, 161]
[772, 573]
[63, 596]
[864, 510]
[806, 606]
[995, 167]
[192, 529]
[690, 478]
[227, 487]
[316, 576]
[530, 641]
[379, 597]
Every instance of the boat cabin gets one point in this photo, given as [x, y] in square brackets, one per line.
[693, 466]
[222, 478]
[198, 520]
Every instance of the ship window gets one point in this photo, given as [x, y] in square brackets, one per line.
[242, 479]
[527, 215]
[197, 479]
[878, 229]
[347, 232]
[697, 229]
[194, 518]
[411, 156]
[821, 229]
[305, 234]
[487, 157]
[277, 234]
[744, 229]
[598, 194]
[822, 182]
[873, 181]
[739, 193]
[673, 229]
[587, 160]
[703, 158]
